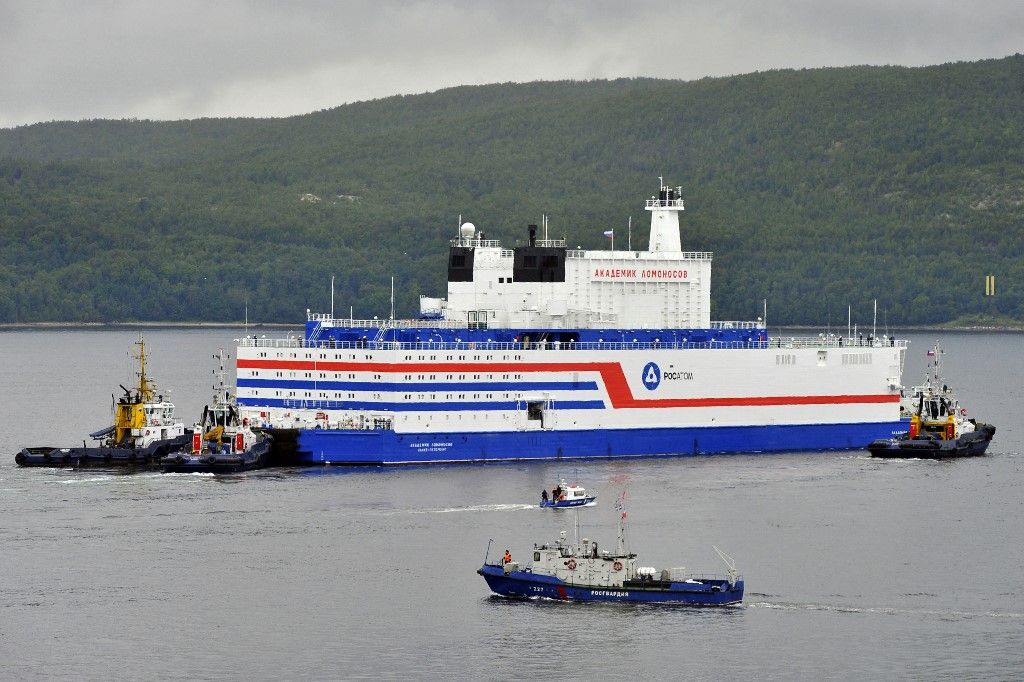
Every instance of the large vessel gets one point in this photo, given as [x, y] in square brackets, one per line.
[541, 351]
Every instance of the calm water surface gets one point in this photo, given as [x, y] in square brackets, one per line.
[856, 568]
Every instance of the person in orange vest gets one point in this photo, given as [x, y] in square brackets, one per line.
[508, 557]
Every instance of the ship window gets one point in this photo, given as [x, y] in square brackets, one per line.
[501, 280]
[535, 410]
[536, 556]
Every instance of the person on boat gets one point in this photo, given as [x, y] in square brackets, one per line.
[555, 493]
[544, 495]
[507, 559]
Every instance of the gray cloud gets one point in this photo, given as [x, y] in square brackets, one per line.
[187, 59]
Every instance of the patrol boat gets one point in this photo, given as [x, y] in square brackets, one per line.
[939, 425]
[222, 441]
[145, 428]
[566, 495]
[547, 352]
[580, 572]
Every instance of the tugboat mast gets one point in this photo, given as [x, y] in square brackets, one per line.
[146, 391]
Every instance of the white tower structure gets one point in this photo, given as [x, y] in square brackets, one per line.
[665, 210]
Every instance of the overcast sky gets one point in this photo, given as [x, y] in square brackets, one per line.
[186, 59]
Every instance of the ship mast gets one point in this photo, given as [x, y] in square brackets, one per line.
[145, 387]
[620, 506]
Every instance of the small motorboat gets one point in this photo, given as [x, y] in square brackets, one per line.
[939, 427]
[221, 442]
[566, 495]
[581, 572]
[144, 430]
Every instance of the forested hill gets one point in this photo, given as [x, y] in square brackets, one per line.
[815, 189]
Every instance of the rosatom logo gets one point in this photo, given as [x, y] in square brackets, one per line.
[651, 376]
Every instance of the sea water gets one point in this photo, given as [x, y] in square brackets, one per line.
[855, 567]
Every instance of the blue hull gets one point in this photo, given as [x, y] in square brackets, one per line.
[526, 584]
[565, 504]
[340, 446]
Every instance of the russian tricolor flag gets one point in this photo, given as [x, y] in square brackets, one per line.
[609, 233]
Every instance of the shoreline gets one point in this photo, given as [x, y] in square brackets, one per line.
[109, 326]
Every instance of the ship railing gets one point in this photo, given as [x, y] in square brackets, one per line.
[327, 321]
[254, 342]
[775, 342]
[665, 203]
[466, 241]
[603, 254]
[737, 324]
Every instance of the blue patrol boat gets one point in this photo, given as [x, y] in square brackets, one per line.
[566, 495]
[580, 572]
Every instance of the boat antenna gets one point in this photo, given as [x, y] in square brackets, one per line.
[488, 552]
[392, 297]
[874, 322]
[332, 297]
[620, 506]
[576, 523]
[247, 315]
[729, 562]
[629, 234]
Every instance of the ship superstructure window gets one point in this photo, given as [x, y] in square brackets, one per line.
[460, 264]
[535, 410]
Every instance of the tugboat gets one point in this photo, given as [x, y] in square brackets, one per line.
[222, 442]
[144, 429]
[564, 495]
[939, 425]
[579, 572]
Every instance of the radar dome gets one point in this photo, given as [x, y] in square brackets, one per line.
[467, 230]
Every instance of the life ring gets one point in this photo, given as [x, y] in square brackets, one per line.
[963, 411]
[617, 566]
[571, 564]
[156, 421]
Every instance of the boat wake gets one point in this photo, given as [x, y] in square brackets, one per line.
[132, 478]
[476, 508]
[885, 611]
